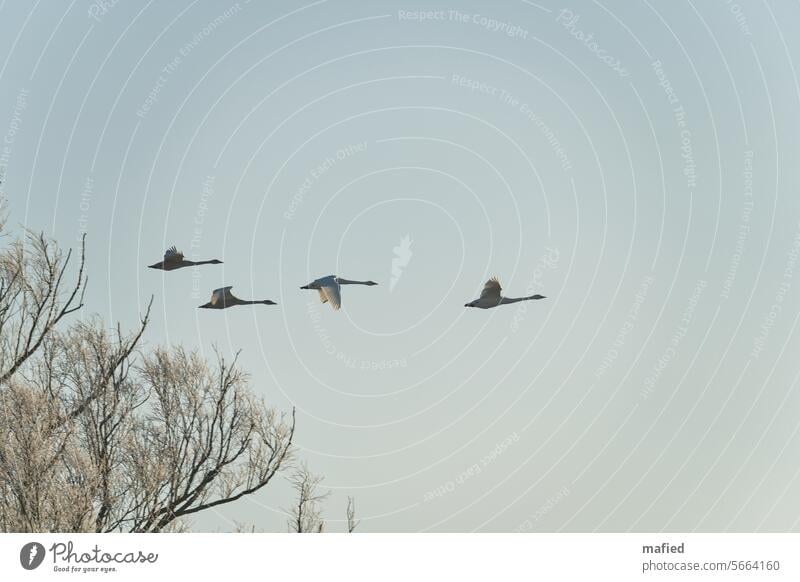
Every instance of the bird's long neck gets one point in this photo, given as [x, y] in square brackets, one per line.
[348, 282]
[507, 300]
[210, 262]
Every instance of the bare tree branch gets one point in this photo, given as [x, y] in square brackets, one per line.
[306, 516]
[33, 297]
[352, 522]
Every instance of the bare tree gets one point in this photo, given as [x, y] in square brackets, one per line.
[34, 297]
[206, 436]
[93, 441]
[97, 434]
[352, 522]
[306, 514]
[53, 397]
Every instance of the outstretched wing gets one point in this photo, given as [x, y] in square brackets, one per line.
[330, 294]
[173, 254]
[219, 295]
[492, 289]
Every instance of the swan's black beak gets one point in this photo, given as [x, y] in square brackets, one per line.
[467, 305]
[304, 287]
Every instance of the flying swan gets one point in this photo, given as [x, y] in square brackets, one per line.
[330, 288]
[490, 296]
[223, 298]
[173, 259]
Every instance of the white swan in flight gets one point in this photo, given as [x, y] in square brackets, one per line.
[330, 288]
[490, 296]
[173, 259]
[223, 298]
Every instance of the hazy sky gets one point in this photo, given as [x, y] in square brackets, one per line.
[637, 165]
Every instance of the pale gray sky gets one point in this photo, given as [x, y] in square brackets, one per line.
[634, 162]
